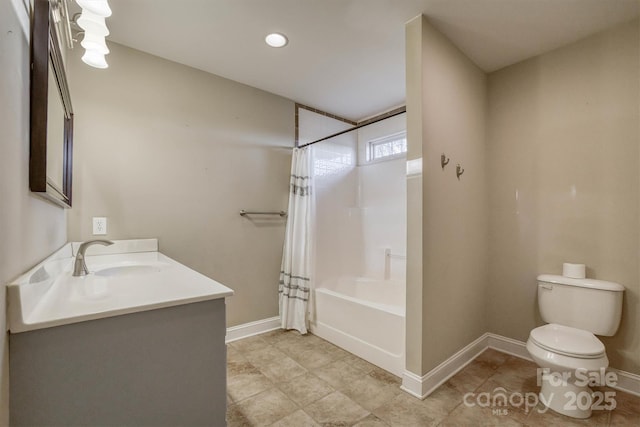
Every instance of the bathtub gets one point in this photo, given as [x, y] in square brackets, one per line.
[365, 317]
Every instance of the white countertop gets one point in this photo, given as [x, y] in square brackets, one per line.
[120, 283]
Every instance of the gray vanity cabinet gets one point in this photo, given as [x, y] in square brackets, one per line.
[163, 367]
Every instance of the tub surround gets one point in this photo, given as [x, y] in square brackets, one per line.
[127, 277]
[359, 296]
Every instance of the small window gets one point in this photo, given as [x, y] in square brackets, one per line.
[389, 146]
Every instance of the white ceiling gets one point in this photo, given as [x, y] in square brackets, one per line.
[347, 56]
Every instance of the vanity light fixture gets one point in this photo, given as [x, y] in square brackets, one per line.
[91, 42]
[93, 24]
[94, 59]
[276, 40]
[97, 7]
[92, 21]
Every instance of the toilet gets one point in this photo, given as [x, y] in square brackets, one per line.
[566, 348]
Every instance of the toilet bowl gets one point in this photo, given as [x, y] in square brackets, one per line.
[566, 349]
[569, 359]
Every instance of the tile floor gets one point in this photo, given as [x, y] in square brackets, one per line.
[286, 379]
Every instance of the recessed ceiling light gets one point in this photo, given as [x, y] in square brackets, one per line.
[276, 40]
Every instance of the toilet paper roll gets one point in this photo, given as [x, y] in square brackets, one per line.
[575, 271]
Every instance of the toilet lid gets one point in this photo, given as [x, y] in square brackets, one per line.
[568, 341]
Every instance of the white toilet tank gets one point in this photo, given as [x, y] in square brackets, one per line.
[589, 304]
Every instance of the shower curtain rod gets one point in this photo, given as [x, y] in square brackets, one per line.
[371, 121]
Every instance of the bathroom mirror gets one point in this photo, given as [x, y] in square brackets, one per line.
[50, 162]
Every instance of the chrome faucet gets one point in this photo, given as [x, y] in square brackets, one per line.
[80, 267]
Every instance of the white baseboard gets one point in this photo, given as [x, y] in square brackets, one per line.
[250, 329]
[627, 382]
[508, 345]
[421, 387]
[413, 384]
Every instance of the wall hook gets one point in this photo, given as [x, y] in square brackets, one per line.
[444, 161]
[459, 171]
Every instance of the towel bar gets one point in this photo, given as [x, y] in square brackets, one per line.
[245, 213]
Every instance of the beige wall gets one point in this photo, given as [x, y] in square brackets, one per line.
[564, 179]
[30, 227]
[454, 212]
[164, 150]
[414, 82]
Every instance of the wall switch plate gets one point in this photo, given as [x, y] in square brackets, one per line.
[99, 225]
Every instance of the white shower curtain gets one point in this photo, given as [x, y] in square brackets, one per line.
[295, 273]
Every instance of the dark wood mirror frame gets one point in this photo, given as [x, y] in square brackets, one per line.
[46, 57]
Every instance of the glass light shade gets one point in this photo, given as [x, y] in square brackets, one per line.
[276, 40]
[94, 59]
[95, 43]
[93, 24]
[97, 7]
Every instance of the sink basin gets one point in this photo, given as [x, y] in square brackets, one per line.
[129, 270]
[129, 276]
